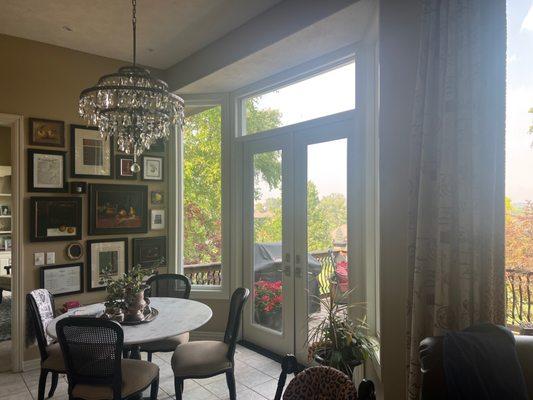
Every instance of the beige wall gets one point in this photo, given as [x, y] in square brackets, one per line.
[399, 26]
[44, 81]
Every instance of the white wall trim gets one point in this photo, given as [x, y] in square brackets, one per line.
[16, 122]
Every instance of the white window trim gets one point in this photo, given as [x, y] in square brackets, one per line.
[176, 200]
[366, 103]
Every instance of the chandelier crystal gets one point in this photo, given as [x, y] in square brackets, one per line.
[133, 106]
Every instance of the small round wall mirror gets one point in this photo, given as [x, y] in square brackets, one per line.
[74, 251]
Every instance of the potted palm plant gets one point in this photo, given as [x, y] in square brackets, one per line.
[335, 339]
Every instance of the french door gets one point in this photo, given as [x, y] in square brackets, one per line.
[296, 226]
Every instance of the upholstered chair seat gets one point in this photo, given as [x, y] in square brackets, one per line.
[166, 345]
[136, 376]
[201, 358]
[207, 358]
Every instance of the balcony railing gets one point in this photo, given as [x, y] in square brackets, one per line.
[211, 273]
[519, 285]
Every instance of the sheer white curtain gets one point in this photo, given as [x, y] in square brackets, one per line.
[456, 253]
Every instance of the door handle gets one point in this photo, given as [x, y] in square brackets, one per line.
[297, 270]
[287, 270]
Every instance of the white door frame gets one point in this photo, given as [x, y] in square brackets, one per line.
[16, 123]
[280, 342]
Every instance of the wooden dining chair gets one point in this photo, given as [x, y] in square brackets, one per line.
[41, 311]
[92, 349]
[167, 285]
[204, 359]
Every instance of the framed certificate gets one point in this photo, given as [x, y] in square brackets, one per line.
[62, 279]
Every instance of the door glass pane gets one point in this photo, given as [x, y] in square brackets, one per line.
[202, 195]
[268, 238]
[324, 94]
[327, 226]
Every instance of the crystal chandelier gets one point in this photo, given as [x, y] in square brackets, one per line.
[133, 106]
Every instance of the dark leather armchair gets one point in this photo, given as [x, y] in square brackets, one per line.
[431, 361]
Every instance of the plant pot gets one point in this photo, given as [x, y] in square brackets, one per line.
[135, 305]
[114, 313]
[322, 356]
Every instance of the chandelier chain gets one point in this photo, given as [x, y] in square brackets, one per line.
[134, 24]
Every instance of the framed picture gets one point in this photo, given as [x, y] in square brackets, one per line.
[105, 254]
[158, 147]
[152, 168]
[62, 279]
[118, 209]
[123, 167]
[149, 251]
[47, 171]
[55, 218]
[157, 220]
[157, 197]
[91, 155]
[47, 132]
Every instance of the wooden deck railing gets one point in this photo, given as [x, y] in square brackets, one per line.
[204, 274]
[519, 285]
[211, 273]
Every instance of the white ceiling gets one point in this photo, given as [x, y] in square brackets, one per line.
[167, 30]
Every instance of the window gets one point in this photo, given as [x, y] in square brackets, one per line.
[324, 94]
[202, 195]
[519, 164]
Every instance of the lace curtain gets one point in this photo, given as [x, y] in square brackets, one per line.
[456, 221]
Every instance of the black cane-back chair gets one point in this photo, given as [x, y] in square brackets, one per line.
[92, 348]
[319, 383]
[167, 285]
[41, 311]
[204, 359]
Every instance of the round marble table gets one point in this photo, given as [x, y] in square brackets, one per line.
[176, 316]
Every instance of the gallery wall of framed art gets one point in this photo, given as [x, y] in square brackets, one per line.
[83, 203]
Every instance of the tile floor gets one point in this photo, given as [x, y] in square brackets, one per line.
[256, 376]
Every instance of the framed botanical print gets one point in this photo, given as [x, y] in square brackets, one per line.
[102, 255]
[61, 280]
[118, 209]
[91, 155]
[123, 167]
[150, 251]
[55, 219]
[152, 168]
[47, 171]
[157, 219]
[47, 132]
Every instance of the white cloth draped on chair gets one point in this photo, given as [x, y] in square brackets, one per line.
[456, 242]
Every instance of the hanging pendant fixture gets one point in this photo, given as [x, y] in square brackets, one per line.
[133, 106]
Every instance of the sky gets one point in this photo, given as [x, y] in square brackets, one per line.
[325, 94]
[519, 150]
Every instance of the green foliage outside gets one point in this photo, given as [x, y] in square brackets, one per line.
[202, 189]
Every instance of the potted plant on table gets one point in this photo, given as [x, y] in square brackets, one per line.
[125, 295]
[336, 340]
[267, 300]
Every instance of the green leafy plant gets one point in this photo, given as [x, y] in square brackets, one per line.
[336, 340]
[130, 283]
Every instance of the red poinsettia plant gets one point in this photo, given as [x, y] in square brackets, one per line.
[268, 296]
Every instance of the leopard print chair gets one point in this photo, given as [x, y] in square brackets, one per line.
[319, 383]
